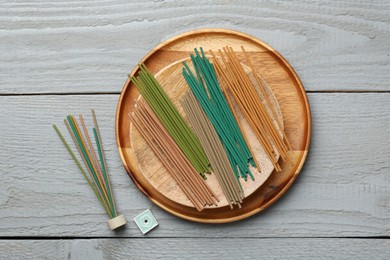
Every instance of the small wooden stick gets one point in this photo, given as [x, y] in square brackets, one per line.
[103, 156]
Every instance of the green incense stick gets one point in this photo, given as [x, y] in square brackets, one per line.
[204, 84]
[99, 179]
[81, 169]
[170, 117]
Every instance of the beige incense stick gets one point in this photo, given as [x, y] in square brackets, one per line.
[213, 148]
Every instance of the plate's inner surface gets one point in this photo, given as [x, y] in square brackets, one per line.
[156, 174]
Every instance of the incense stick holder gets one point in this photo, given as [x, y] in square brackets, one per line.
[117, 222]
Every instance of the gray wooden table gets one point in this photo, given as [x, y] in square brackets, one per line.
[60, 57]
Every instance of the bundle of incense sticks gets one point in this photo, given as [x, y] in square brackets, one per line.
[214, 149]
[265, 125]
[170, 117]
[169, 153]
[204, 84]
[97, 177]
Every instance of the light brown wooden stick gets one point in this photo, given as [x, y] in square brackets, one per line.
[85, 162]
[166, 161]
[270, 127]
[170, 154]
[157, 130]
[92, 150]
[88, 154]
[103, 156]
[234, 85]
[213, 147]
[261, 87]
[255, 101]
[225, 91]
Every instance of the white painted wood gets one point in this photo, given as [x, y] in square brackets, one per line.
[90, 46]
[343, 190]
[198, 248]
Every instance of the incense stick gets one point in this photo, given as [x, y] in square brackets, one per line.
[214, 149]
[81, 169]
[169, 116]
[204, 84]
[102, 157]
[262, 83]
[250, 103]
[98, 178]
[172, 157]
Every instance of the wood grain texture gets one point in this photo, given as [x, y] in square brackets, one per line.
[201, 248]
[90, 46]
[343, 190]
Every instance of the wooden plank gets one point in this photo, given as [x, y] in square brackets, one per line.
[343, 190]
[197, 248]
[90, 46]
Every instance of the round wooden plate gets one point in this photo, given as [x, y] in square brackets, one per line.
[164, 61]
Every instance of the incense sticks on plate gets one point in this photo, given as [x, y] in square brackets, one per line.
[230, 70]
[169, 153]
[214, 149]
[169, 116]
[203, 82]
[97, 177]
[213, 140]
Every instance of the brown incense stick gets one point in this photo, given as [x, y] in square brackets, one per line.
[98, 178]
[166, 149]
